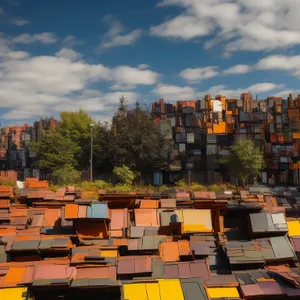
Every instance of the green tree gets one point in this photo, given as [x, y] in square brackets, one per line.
[137, 140]
[102, 148]
[67, 175]
[245, 161]
[53, 150]
[76, 127]
[124, 174]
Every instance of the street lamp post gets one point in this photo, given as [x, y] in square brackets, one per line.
[91, 159]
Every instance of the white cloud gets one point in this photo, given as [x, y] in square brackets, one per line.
[285, 93]
[70, 41]
[235, 93]
[6, 52]
[123, 87]
[24, 112]
[17, 54]
[123, 40]
[114, 38]
[34, 86]
[238, 69]
[264, 87]
[184, 26]
[195, 75]
[20, 22]
[174, 93]
[247, 25]
[280, 62]
[69, 54]
[129, 75]
[43, 38]
[143, 66]
[100, 103]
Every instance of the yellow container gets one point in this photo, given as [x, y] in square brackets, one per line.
[294, 228]
[223, 292]
[219, 128]
[296, 135]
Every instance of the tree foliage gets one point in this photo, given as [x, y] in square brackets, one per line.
[67, 175]
[124, 174]
[245, 161]
[102, 147]
[54, 150]
[75, 126]
[133, 139]
[137, 140]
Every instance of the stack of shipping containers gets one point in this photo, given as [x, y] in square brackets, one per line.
[203, 131]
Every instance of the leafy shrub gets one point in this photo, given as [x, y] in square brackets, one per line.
[196, 187]
[95, 185]
[124, 174]
[123, 188]
[160, 189]
[215, 188]
[230, 186]
[143, 188]
[181, 183]
[101, 184]
[67, 175]
[54, 187]
[90, 195]
[8, 182]
[190, 186]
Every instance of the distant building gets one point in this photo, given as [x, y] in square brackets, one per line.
[199, 132]
[14, 152]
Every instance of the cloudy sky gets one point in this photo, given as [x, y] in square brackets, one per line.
[71, 54]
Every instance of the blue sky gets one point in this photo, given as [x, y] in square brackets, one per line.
[66, 55]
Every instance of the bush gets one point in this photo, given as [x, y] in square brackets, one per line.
[90, 195]
[95, 185]
[216, 188]
[190, 186]
[67, 175]
[8, 182]
[221, 187]
[122, 188]
[181, 183]
[54, 187]
[196, 187]
[160, 189]
[124, 174]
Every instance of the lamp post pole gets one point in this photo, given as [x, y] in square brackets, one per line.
[91, 159]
